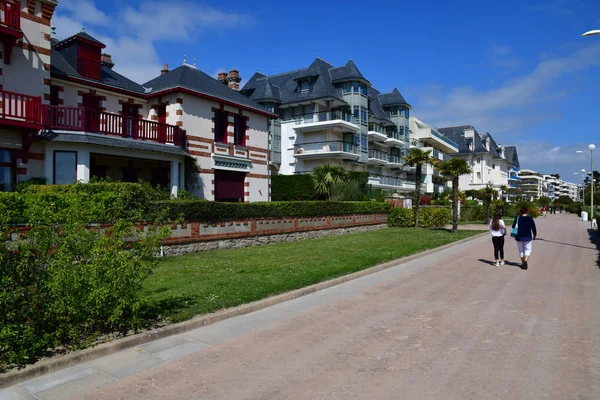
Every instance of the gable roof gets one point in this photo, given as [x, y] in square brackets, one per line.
[287, 85]
[375, 108]
[348, 72]
[512, 156]
[63, 63]
[393, 99]
[191, 78]
[80, 35]
[456, 134]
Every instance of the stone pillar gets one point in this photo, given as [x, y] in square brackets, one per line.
[174, 178]
[83, 165]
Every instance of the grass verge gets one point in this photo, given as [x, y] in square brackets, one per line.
[186, 286]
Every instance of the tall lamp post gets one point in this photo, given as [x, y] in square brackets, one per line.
[583, 185]
[591, 147]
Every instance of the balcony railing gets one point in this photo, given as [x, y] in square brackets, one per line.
[379, 155]
[393, 159]
[20, 107]
[443, 138]
[10, 14]
[317, 148]
[94, 121]
[326, 116]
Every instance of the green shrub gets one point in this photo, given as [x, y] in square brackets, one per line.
[292, 188]
[434, 217]
[29, 182]
[472, 212]
[196, 210]
[101, 201]
[401, 218]
[65, 288]
[347, 191]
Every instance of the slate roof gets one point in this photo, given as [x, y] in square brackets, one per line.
[64, 63]
[284, 86]
[81, 35]
[348, 72]
[288, 86]
[267, 93]
[112, 142]
[191, 78]
[456, 134]
[375, 107]
[512, 156]
[393, 99]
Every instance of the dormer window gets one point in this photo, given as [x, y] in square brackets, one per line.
[304, 86]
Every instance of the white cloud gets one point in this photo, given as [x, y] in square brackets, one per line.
[546, 157]
[516, 103]
[503, 57]
[130, 33]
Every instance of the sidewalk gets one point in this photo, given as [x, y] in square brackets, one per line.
[447, 325]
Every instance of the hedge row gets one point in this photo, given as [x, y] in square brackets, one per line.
[300, 187]
[198, 210]
[104, 201]
[428, 217]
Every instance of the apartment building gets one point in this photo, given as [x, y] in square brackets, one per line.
[486, 158]
[332, 115]
[552, 186]
[512, 157]
[568, 189]
[68, 116]
[428, 138]
[533, 184]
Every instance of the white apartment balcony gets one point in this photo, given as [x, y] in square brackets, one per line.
[431, 137]
[395, 161]
[377, 157]
[322, 121]
[376, 136]
[391, 182]
[327, 149]
[395, 139]
[435, 153]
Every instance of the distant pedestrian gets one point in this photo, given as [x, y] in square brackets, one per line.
[561, 209]
[544, 211]
[524, 232]
[498, 229]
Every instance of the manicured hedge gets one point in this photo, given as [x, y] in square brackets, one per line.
[292, 187]
[196, 210]
[428, 217]
[300, 187]
[97, 202]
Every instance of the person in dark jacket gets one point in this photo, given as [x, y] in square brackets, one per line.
[526, 234]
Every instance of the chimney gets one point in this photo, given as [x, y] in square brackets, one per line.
[222, 77]
[106, 60]
[165, 69]
[233, 82]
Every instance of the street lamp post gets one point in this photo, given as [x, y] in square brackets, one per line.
[591, 147]
[583, 185]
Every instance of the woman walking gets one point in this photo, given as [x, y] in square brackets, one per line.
[524, 232]
[498, 230]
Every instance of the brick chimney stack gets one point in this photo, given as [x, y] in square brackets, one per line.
[233, 82]
[165, 69]
[222, 77]
[106, 60]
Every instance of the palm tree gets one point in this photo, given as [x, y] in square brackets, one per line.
[417, 158]
[453, 169]
[325, 176]
[487, 195]
[504, 190]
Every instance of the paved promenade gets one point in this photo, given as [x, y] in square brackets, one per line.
[445, 326]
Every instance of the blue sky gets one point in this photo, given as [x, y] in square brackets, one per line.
[520, 71]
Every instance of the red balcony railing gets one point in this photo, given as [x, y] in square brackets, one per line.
[94, 121]
[20, 108]
[10, 14]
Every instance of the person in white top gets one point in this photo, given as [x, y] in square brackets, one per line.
[498, 230]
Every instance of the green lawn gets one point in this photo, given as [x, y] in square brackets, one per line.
[195, 284]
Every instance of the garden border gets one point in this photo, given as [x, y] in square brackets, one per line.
[14, 377]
